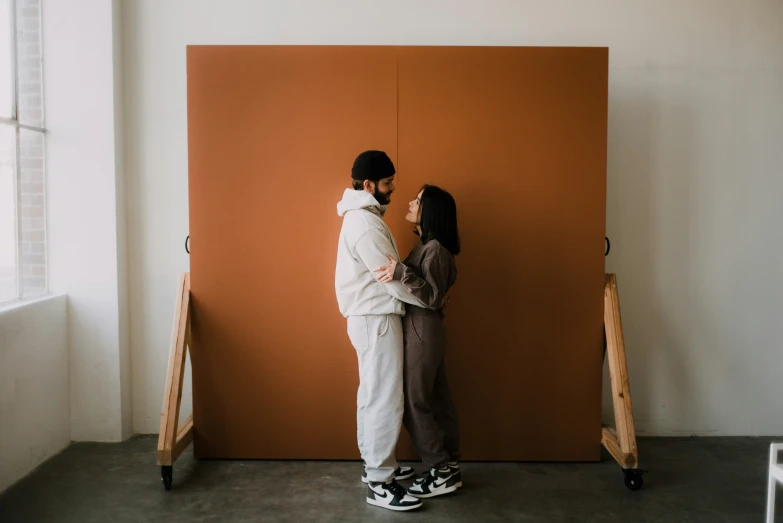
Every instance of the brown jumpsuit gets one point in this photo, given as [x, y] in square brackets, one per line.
[430, 415]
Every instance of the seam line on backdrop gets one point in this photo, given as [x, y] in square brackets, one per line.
[397, 137]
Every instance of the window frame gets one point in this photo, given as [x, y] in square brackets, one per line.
[15, 122]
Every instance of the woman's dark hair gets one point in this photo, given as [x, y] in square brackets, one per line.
[439, 218]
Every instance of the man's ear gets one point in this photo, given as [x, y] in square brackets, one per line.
[369, 186]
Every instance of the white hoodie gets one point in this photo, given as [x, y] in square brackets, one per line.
[365, 240]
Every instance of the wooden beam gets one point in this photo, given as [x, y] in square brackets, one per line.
[618, 369]
[164, 457]
[175, 375]
[184, 438]
[610, 442]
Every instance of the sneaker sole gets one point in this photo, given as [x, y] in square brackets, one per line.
[390, 507]
[447, 490]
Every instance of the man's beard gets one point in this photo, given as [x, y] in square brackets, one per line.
[383, 198]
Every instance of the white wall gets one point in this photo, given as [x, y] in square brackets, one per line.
[34, 393]
[157, 192]
[694, 212]
[86, 234]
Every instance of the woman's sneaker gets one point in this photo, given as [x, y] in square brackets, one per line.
[391, 495]
[399, 474]
[456, 474]
[436, 483]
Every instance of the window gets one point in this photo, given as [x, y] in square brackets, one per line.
[22, 138]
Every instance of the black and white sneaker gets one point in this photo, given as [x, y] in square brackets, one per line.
[391, 495]
[399, 474]
[436, 483]
[456, 474]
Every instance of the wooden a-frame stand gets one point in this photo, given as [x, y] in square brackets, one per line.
[620, 441]
[173, 438]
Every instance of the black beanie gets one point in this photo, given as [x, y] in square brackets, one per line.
[373, 166]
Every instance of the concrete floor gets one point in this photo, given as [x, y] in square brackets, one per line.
[711, 480]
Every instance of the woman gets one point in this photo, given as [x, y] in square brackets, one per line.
[428, 272]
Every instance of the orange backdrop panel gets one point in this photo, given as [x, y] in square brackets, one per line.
[518, 135]
[272, 133]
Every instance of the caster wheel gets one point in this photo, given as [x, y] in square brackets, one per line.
[633, 478]
[166, 475]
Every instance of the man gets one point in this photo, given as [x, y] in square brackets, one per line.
[374, 312]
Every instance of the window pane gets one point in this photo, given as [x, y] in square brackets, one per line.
[29, 65]
[33, 212]
[8, 282]
[6, 62]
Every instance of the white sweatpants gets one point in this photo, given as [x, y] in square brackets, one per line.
[378, 344]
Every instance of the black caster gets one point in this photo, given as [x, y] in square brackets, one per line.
[166, 475]
[633, 478]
